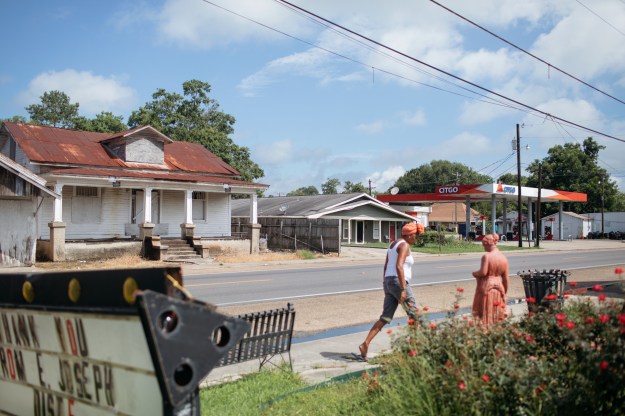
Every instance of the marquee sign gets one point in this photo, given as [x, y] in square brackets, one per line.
[124, 342]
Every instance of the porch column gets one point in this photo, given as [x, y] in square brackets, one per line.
[187, 227]
[146, 229]
[254, 227]
[380, 231]
[56, 251]
[493, 214]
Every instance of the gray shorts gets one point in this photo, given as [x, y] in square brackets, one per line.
[392, 294]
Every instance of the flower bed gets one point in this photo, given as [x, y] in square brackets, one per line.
[556, 361]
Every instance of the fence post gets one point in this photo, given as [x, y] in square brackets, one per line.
[295, 242]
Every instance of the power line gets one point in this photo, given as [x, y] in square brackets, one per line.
[605, 21]
[528, 53]
[450, 74]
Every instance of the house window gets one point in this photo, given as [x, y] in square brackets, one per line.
[86, 205]
[199, 206]
[86, 191]
[345, 229]
[376, 230]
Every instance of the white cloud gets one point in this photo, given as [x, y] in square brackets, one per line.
[370, 128]
[94, 93]
[381, 181]
[416, 118]
[203, 25]
[274, 153]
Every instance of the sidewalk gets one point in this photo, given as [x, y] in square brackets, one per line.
[327, 357]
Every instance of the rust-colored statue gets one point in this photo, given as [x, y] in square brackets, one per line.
[489, 303]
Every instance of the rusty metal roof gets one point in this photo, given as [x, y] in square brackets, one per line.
[84, 150]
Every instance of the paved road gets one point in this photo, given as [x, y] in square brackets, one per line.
[298, 281]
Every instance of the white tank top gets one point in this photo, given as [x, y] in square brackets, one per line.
[391, 266]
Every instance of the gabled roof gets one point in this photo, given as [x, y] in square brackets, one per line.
[570, 214]
[56, 146]
[27, 175]
[314, 206]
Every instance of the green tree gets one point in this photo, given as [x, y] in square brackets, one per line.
[105, 122]
[350, 187]
[55, 110]
[330, 186]
[195, 117]
[573, 167]
[304, 191]
[16, 119]
[425, 178]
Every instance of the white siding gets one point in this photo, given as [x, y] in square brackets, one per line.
[115, 213]
[217, 222]
[17, 239]
[172, 211]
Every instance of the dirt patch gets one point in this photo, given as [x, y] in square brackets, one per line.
[122, 262]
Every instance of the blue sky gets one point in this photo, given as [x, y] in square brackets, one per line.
[341, 109]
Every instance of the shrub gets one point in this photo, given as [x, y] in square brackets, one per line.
[569, 361]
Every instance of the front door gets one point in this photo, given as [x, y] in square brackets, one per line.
[360, 232]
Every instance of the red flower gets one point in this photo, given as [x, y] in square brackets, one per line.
[375, 374]
[425, 308]
[471, 323]
[456, 306]
[621, 319]
[551, 297]
[603, 365]
[539, 389]
[604, 318]
[389, 331]
[601, 297]
[590, 320]
[462, 386]
[597, 288]
[573, 284]
[433, 325]
[530, 300]
[460, 289]
[566, 296]
[496, 303]
[448, 364]
[570, 325]
[410, 321]
[618, 270]
[560, 316]
[412, 353]
[529, 338]
[485, 378]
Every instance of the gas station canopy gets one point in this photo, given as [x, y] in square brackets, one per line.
[488, 192]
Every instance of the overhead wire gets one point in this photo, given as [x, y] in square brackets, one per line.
[452, 75]
[604, 20]
[527, 52]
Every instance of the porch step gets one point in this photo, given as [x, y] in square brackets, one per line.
[179, 250]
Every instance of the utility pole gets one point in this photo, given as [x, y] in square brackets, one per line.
[602, 206]
[539, 227]
[369, 187]
[518, 172]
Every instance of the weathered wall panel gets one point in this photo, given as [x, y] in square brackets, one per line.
[17, 239]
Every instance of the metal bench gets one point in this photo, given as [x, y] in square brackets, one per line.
[270, 334]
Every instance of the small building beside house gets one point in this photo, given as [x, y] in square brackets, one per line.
[612, 222]
[21, 195]
[574, 226]
[136, 185]
[322, 222]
